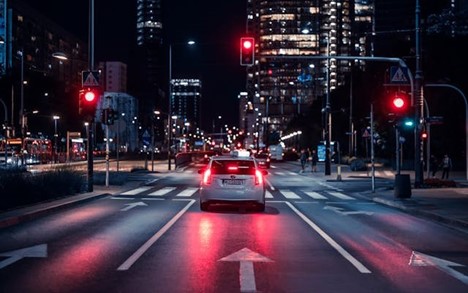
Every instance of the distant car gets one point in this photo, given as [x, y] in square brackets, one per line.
[263, 160]
[232, 179]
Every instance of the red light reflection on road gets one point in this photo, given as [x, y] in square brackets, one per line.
[205, 231]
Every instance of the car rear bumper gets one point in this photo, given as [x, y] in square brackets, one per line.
[214, 194]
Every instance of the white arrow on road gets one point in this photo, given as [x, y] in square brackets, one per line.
[132, 205]
[15, 255]
[246, 257]
[419, 259]
[342, 212]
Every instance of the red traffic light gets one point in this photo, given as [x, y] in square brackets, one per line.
[398, 102]
[87, 102]
[424, 135]
[247, 44]
[90, 96]
[247, 51]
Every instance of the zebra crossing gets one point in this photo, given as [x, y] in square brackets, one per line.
[378, 173]
[277, 194]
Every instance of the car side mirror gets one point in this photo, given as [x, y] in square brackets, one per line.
[200, 171]
[264, 172]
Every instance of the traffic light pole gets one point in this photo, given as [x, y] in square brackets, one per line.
[89, 151]
[90, 135]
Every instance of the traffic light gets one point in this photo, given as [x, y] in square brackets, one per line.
[247, 51]
[399, 103]
[424, 135]
[87, 102]
[108, 116]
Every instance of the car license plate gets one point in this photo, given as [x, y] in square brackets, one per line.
[233, 181]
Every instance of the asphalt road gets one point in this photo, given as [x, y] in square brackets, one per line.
[315, 236]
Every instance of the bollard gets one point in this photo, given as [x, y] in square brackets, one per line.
[338, 176]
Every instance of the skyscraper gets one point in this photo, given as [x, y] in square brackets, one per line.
[150, 86]
[283, 82]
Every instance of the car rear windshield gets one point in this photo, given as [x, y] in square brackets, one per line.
[239, 167]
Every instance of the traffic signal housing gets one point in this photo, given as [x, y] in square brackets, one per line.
[108, 116]
[247, 51]
[87, 102]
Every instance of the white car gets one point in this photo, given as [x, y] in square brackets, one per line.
[232, 178]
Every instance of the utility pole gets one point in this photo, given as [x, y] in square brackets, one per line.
[418, 106]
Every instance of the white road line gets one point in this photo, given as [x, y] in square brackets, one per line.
[315, 195]
[340, 195]
[269, 184]
[188, 192]
[289, 194]
[137, 190]
[292, 173]
[279, 173]
[268, 194]
[135, 256]
[357, 264]
[162, 191]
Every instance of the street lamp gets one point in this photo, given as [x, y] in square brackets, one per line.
[169, 111]
[56, 118]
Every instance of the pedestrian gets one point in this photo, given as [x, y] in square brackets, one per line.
[314, 161]
[303, 158]
[434, 165]
[446, 166]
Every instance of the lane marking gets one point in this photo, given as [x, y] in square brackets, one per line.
[135, 256]
[268, 194]
[357, 264]
[269, 184]
[162, 191]
[137, 190]
[289, 194]
[315, 195]
[188, 192]
[340, 195]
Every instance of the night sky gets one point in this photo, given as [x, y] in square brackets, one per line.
[215, 28]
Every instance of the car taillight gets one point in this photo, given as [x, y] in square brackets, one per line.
[207, 177]
[258, 177]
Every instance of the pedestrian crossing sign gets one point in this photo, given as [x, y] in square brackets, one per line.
[399, 75]
[90, 78]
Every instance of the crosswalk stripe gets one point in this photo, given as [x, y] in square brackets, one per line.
[289, 194]
[162, 191]
[279, 173]
[388, 173]
[137, 190]
[315, 195]
[340, 195]
[292, 173]
[188, 192]
[268, 194]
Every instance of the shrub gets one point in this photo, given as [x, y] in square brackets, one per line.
[18, 188]
[436, 182]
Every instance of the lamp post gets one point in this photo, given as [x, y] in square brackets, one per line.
[56, 118]
[169, 111]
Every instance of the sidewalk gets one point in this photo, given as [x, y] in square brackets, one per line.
[445, 205]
